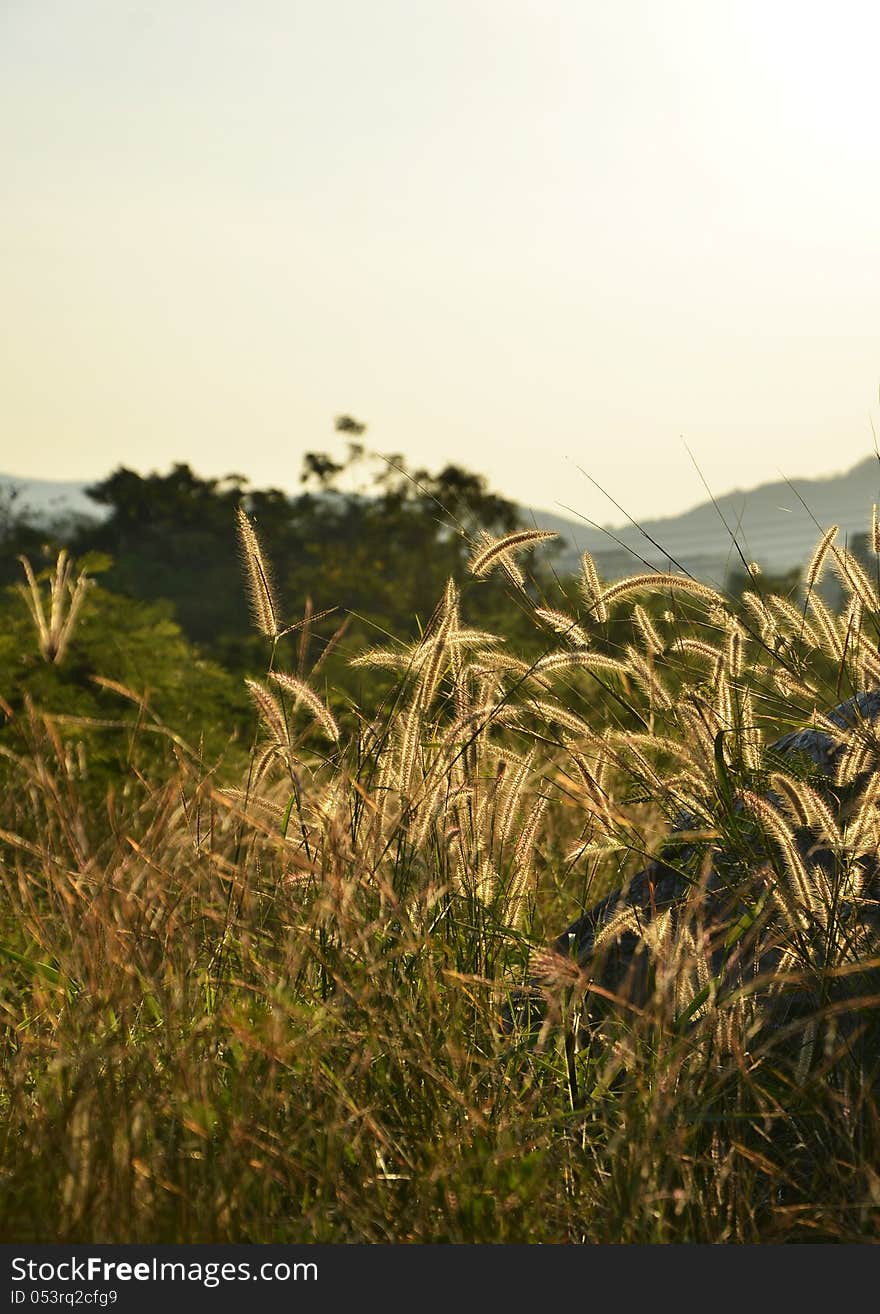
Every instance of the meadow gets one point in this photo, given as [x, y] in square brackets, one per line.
[298, 985]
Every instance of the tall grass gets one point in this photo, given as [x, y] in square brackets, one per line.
[317, 1003]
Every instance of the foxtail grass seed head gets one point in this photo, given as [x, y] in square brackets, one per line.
[590, 779]
[517, 894]
[816, 564]
[853, 577]
[261, 592]
[650, 638]
[523, 853]
[450, 603]
[858, 756]
[384, 657]
[65, 600]
[792, 621]
[410, 745]
[698, 648]
[591, 587]
[553, 713]
[489, 554]
[645, 675]
[271, 712]
[775, 825]
[556, 970]
[791, 687]
[514, 783]
[565, 625]
[664, 583]
[735, 637]
[563, 661]
[829, 627]
[304, 694]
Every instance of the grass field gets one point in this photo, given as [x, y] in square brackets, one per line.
[288, 1006]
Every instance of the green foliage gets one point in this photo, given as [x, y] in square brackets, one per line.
[170, 537]
[129, 688]
[368, 544]
[383, 552]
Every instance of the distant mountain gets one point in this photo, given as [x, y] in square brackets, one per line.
[776, 524]
[44, 500]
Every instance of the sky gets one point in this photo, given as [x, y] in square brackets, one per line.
[563, 243]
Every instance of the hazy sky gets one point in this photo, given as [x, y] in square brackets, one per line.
[523, 235]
